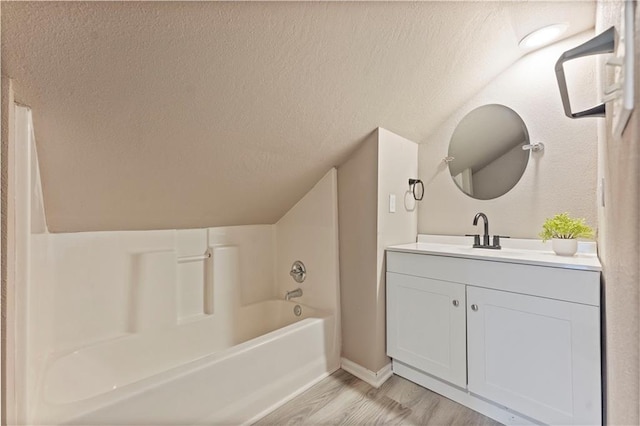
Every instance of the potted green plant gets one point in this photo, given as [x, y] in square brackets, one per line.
[563, 231]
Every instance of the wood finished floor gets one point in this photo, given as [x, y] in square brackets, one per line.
[342, 399]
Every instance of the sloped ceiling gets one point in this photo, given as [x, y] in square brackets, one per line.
[152, 115]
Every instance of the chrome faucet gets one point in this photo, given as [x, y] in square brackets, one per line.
[293, 293]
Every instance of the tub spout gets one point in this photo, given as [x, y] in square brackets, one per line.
[293, 293]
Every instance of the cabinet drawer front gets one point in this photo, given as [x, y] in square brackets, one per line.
[555, 283]
[537, 356]
[426, 325]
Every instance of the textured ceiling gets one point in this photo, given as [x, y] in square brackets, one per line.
[154, 115]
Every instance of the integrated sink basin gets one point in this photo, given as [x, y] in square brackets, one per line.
[522, 251]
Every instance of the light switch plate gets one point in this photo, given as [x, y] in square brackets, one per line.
[392, 203]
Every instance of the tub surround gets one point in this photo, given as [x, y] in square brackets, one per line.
[92, 305]
[309, 233]
[153, 300]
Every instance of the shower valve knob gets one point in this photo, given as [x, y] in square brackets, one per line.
[298, 271]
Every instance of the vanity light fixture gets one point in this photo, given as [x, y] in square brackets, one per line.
[543, 36]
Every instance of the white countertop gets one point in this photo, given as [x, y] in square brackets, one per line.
[529, 252]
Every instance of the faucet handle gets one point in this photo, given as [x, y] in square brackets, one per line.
[476, 238]
[496, 239]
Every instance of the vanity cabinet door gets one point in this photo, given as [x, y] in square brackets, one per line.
[537, 356]
[426, 326]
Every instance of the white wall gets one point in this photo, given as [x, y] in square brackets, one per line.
[381, 166]
[619, 242]
[358, 219]
[561, 178]
[397, 162]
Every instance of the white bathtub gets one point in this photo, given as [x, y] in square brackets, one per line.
[214, 370]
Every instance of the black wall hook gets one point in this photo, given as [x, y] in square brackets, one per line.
[413, 183]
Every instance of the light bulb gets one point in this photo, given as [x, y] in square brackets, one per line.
[542, 36]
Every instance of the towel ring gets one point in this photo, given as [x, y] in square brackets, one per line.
[413, 183]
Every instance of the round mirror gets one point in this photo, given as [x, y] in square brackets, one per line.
[486, 155]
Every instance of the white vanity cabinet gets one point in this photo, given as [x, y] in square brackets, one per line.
[538, 356]
[428, 330]
[515, 341]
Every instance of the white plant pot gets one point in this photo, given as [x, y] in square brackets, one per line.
[564, 246]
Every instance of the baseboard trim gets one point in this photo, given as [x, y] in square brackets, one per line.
[375, 379]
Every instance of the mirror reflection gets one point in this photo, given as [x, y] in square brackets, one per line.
[486, 146]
